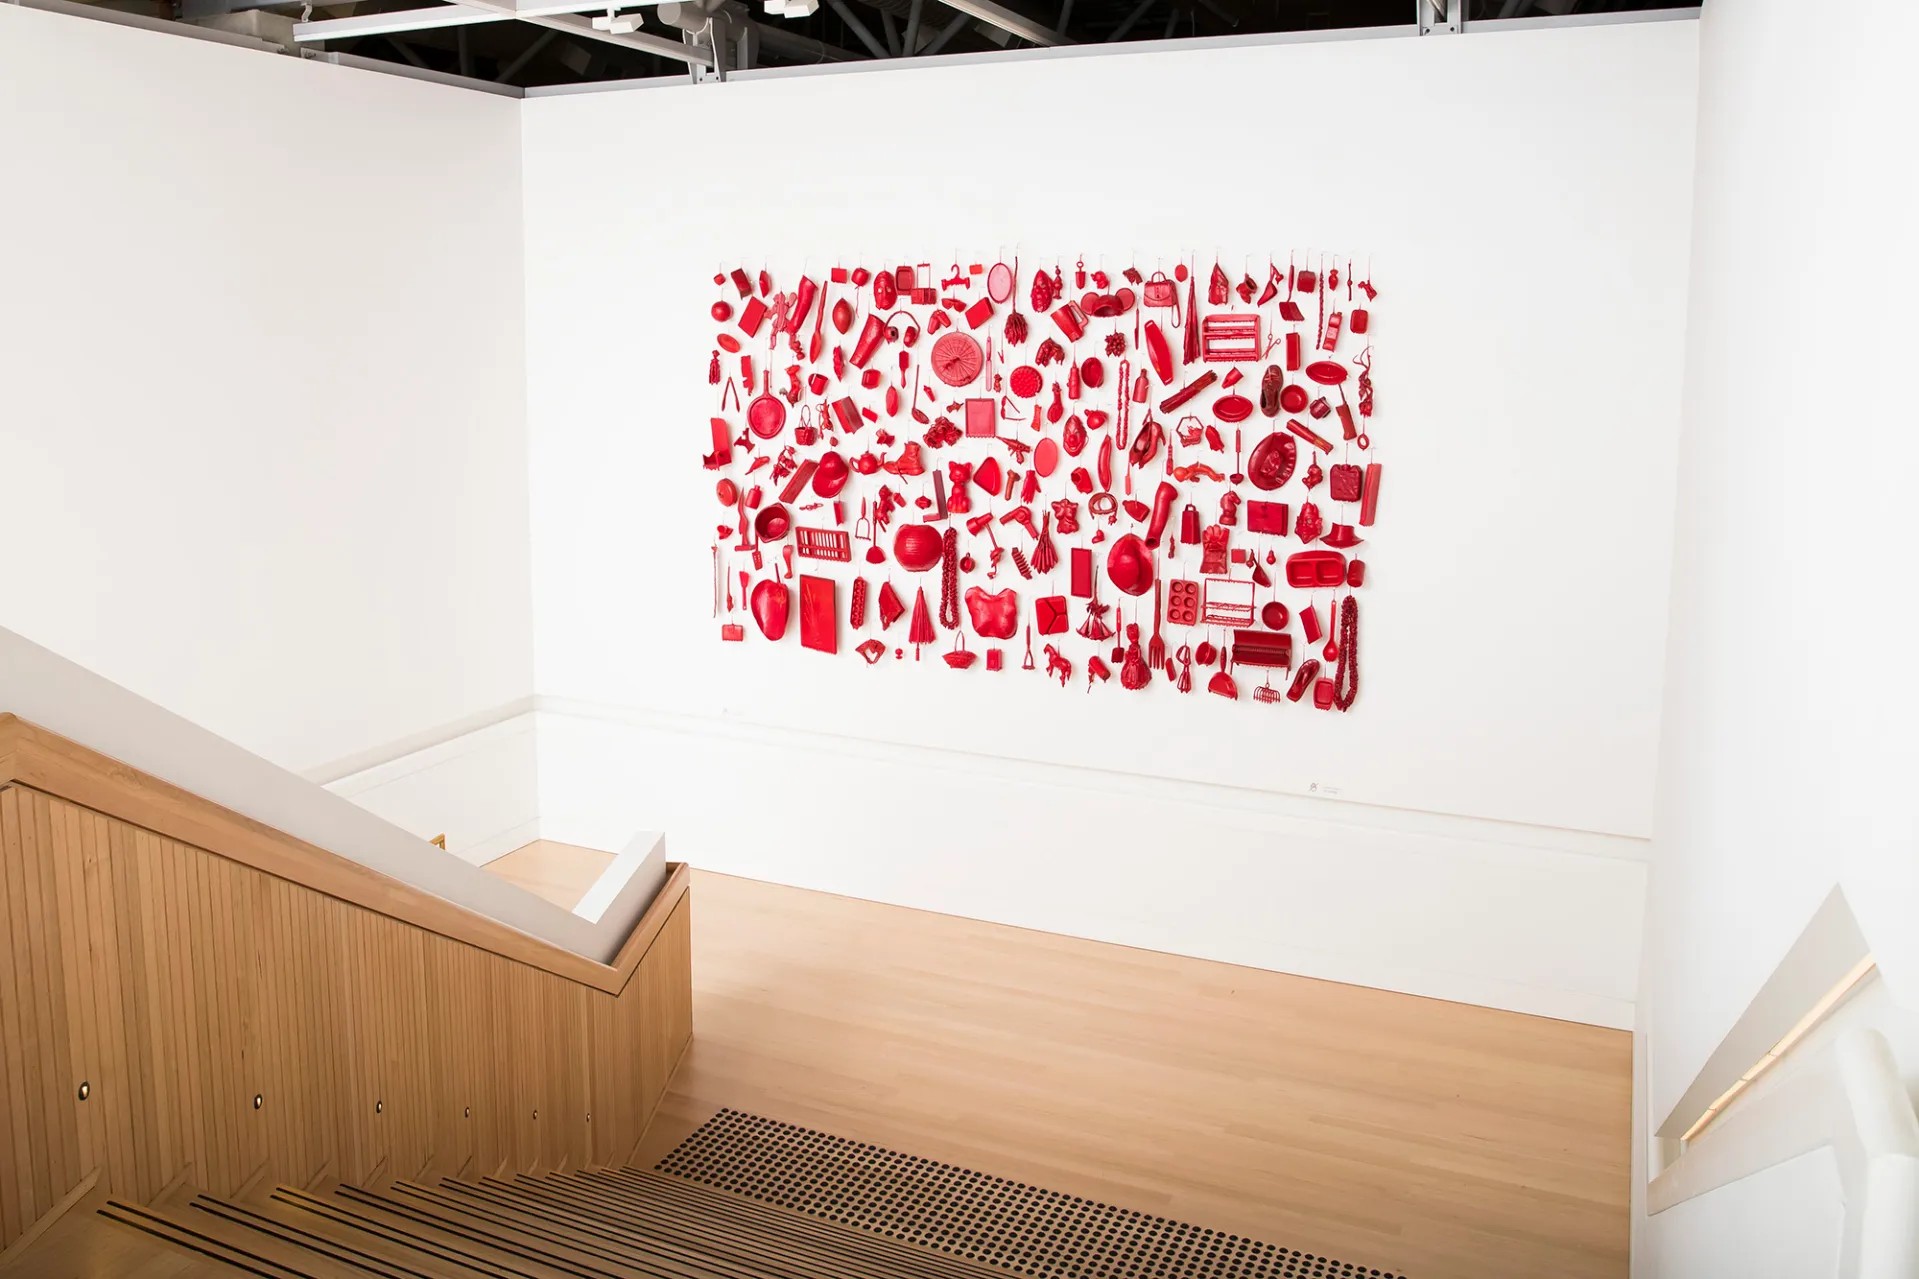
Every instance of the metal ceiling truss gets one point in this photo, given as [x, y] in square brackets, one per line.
[1437, 17]
[708, 47]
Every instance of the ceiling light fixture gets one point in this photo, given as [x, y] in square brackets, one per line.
[792, 8]
[619, 24]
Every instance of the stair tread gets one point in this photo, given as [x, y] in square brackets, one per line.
[605, 1223]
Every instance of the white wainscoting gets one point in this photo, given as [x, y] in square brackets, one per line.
[1526, 918]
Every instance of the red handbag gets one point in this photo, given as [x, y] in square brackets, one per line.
[1159, 291]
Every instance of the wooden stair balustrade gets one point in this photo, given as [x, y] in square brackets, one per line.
[194, 1003]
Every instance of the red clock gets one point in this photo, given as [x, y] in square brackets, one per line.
[957, 359]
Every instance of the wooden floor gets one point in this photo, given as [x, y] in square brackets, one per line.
[561, 873]
[1438, 1140]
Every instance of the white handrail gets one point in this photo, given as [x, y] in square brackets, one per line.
[1851, 1099]
[62, 697]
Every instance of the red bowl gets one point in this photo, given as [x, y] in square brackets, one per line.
[1326, 372]
[773, 523]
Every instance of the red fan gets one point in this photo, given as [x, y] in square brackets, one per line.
[957, 359]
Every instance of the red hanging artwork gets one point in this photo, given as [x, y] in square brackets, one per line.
[1003, 455]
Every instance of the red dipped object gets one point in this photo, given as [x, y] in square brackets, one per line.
[1129, 565]
[830, 476]
[1049, 615]
[773, 523]
[1326, 372]
[892, 607]
[1272, 462]
[1356, 574]
[1232, 408]
[770, 603]
[1369, 505]
[1308, 524]
[1162, 511]
[957, 359]
[988, 476]
[1308, 569]
[995, 615]
[1158, 353]
[917, 547]
[819, 614]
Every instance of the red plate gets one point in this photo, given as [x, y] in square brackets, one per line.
[999, 283]
[1326, 372]
[766, 415]
[1046, 457]
[957, 359]
[1024, 381]
[1232, 408]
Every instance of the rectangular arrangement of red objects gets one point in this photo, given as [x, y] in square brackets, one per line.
[990, 459]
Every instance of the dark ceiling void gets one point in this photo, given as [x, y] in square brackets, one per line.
[525, 55]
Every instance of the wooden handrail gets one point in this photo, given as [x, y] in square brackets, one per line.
[52, 764]
[189, 996]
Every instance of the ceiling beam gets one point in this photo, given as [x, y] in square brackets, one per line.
[562, 17]
[428, 18]
[1028, 29]
[574, 24]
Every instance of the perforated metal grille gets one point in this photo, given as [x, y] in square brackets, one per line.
[974, 1215]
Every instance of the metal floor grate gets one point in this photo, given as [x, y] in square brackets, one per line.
[973, 1215]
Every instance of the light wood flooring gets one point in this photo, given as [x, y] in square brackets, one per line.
[1434, 1139]
[561, 873]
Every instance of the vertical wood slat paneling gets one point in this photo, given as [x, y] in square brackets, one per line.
[178, 984]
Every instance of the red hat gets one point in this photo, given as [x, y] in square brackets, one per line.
[1130, 565]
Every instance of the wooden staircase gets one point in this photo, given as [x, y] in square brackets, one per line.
[596, 1224]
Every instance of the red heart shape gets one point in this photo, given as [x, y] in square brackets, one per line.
[995, 616]
[771, 604]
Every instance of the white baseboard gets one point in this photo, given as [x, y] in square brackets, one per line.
[1529, 919]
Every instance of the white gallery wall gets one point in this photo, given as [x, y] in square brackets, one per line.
[1788, 755]
[1494, 782]
[261, 344]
